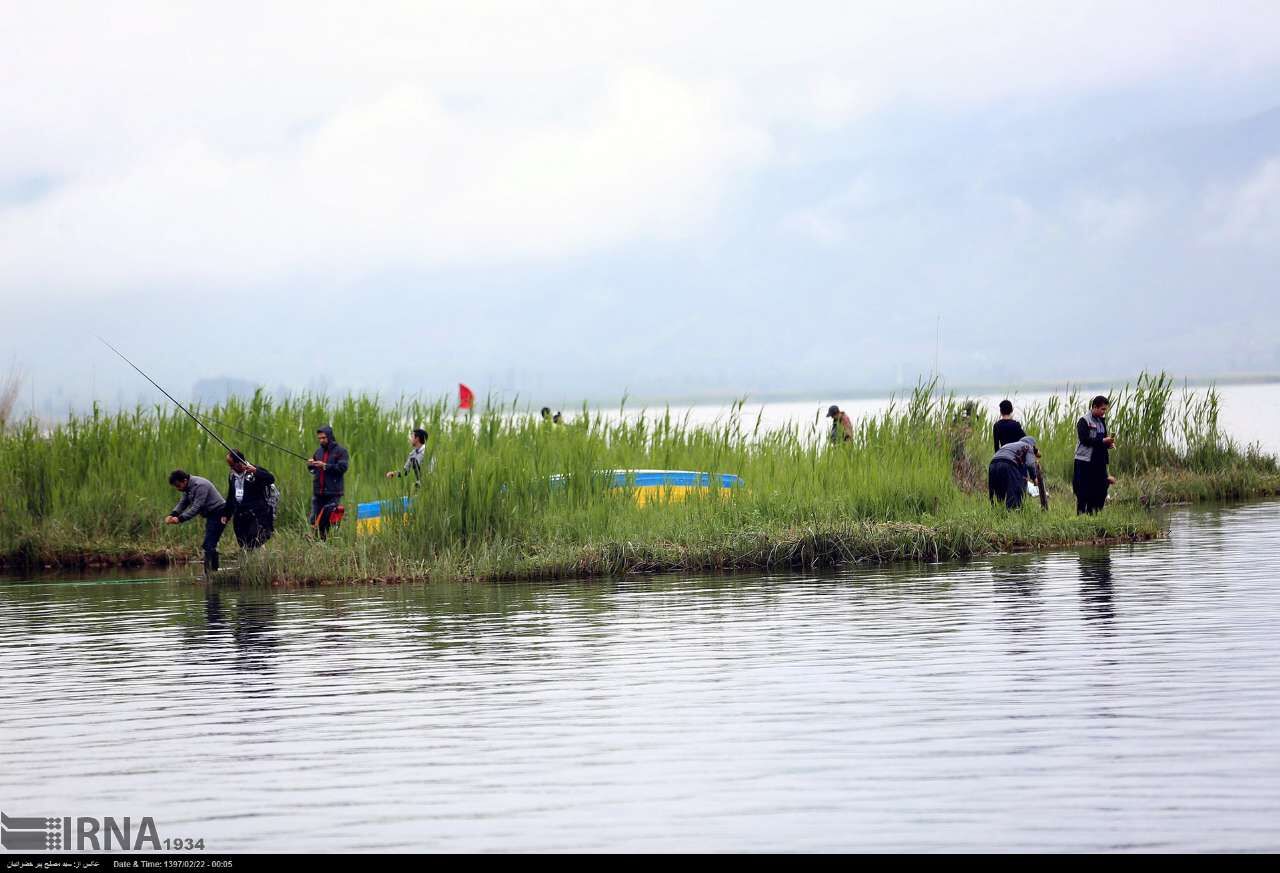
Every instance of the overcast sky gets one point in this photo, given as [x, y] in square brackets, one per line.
[571, 200]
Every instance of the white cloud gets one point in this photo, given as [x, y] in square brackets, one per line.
[1250, 213]
[1110, 217]
[832, 221]
[236, 141]
[399, 180]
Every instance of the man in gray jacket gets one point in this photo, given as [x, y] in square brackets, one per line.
[200, 497]
[1012, 467]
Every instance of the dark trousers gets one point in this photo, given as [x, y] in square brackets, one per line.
[213, 528]
[253, 526]
[322, 505]
[1006, 482]
[1089, 482]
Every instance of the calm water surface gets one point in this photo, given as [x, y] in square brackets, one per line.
[1122, 699]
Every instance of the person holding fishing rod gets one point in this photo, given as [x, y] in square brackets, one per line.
[249, 501]
[327, 466]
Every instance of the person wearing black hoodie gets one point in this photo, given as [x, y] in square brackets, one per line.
[248, 508]
[328, 465]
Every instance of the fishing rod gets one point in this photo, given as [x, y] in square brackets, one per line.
[189, 413]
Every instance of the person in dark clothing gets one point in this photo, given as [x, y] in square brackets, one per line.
[841, 426]
[1090, 480]
[1007, 430]
[199, 497]
[1013, 466]
[248, 508]
[328, 465]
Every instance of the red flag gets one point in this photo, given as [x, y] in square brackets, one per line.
[466, 397]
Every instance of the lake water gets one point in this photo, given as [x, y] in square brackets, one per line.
[1074, 700]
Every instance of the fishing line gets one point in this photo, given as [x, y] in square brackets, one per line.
[263, 440]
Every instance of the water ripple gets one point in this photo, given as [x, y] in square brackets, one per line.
[1120, 699]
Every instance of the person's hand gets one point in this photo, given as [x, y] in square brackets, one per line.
[392, 474]
[171, 519]
[250, 469]
[1109, 442]
[1111, 480]
[224, 520]
[313, 463]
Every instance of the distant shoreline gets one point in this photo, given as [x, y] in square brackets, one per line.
[962, 390]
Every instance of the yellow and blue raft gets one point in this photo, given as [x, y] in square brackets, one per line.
[647, 486]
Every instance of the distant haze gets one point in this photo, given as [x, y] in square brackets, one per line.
[568, 201]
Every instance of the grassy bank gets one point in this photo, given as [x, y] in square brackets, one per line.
[93, 488]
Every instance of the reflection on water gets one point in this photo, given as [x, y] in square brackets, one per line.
[1088, 699]
[248, 621]
[1096, 590]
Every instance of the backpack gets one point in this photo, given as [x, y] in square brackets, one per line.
[272, 496]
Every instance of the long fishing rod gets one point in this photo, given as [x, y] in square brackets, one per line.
[189, 413]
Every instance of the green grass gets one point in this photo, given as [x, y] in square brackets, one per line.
[94, 488]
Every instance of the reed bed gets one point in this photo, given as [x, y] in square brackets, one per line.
[93, 488]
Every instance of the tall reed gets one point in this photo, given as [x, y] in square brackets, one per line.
[100, 479]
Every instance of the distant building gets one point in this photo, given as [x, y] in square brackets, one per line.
[217, 390]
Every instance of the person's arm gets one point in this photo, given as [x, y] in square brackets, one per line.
[264, 477]
[1082, 433]
[229, 508]
[995, 436]
[182, 504]
[1021, 432]
[340, 462]
[197, 495]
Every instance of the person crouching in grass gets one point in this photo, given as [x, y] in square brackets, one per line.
[200, 497]
[1090, 481]
[1012, 467]
[247, 506]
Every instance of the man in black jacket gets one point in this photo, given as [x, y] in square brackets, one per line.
[328, 465]
[1091, 479]
[248, 507]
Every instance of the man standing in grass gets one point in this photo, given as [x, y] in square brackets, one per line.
[1013, 466]
[248, 505]
[1007, 430]
[1090, 480]
[200, 497]
[327, 466]
[417, 458]
[841, 426]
